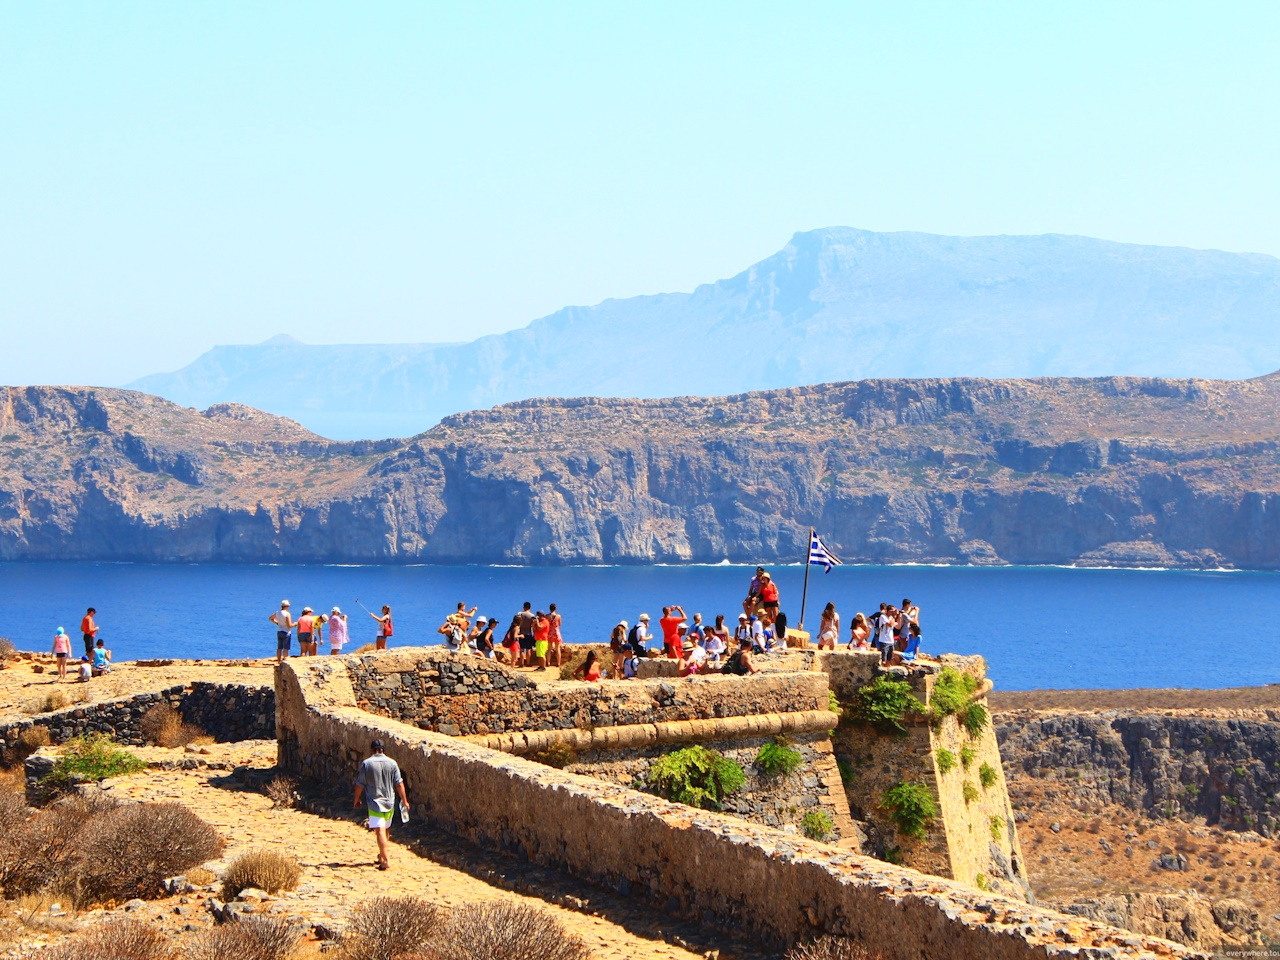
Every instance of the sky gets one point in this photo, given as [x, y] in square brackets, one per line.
[174, 176]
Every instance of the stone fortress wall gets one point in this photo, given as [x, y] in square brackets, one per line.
[228, 712]
[776, 885]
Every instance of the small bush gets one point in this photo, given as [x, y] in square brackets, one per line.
[946, 760]
[266, 869]
[969, 791]
[36, 853]
[558, 755]
[388, 928]
[7, 648]
[846, 771]
[833, 703]
[987, 776]
[251, 937]
[164, 726]
[200, 877]
[13, 811]
[90, 758]
[884, 703]
[113, 940]
[832, 948]
[507, 931]
[911, 807]
[952, 691]
[997, 828]
[817, 824]
[696, 776]
[967, 753]
[973, 718]
[282, 791]
[127, 852]
[33, 738]
[776, 759]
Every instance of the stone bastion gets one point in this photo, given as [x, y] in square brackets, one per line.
[477, 743]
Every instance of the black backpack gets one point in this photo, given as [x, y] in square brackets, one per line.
[633, 637]
[734, 665]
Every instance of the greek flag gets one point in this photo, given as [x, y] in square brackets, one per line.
[819, 554]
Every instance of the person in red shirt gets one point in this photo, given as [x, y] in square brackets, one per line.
[670, 624]
[90, 630]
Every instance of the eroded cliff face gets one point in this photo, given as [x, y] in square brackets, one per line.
[1119, 471]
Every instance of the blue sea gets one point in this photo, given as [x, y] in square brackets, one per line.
[1038, 627]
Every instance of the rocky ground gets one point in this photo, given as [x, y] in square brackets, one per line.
[224, 785]
[1107, 471]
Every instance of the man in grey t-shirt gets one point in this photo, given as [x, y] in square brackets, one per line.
[380, 783]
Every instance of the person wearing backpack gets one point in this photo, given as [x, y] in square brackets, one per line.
[739, 664]
[639, 635]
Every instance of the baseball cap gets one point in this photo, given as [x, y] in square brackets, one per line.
[742, 616]
[337, 611]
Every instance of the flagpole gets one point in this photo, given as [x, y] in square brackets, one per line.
[804, 596]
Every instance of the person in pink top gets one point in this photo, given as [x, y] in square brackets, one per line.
[61, 650]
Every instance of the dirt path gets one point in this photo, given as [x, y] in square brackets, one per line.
[337, 856]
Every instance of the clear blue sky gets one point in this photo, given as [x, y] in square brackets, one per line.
[175, 175]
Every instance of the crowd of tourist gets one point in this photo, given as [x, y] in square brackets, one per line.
[97, 658]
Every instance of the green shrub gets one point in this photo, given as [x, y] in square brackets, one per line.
[817, 824]
[952, 691]
[833, 703]
[911, 807]
[973, 718]
[91, 758]
[987, 776]
[970, 792]
[967, 753]
[846, 771]
[776, 759]
[997, 828]
[883, 703]
[946, 760]
[981, 881]
[558, 755]
[696, 776]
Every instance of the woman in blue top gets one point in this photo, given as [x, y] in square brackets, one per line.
[101, 659]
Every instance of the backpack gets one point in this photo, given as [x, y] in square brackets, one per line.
[386, 627]
[633, 637]
[734, 665]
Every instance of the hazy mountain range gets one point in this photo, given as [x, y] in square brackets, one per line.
[833, 304]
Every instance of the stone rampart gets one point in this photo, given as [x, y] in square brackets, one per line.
[226, 711]
[727, 871]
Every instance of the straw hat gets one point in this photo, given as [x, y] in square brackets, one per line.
[644, 617]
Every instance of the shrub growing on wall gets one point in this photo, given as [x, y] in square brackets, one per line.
[884, 703]
[952, 691]
[696, 776]
[817, 824]
[969, 791]
[973, 718]
[987, 776]
[967, 753]
[911, 807]
[946, 760]
[776, 759]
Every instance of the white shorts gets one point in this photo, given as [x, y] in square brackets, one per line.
[379, 820]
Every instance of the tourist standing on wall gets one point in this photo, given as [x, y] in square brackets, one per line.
[337, 631]
[829, 631]
[384, 627]
[524, 626]
[884, 637]
[89, 628]
[672, 617]
[639, 635]
[554, 656]
[284, 627]
[910, 614]
[618, 646]
[380, 781]
[61, 650]
[769, 596]
[541, 638]
[859, 631]
[306, 623]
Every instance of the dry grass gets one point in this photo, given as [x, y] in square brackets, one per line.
[129, 851]
[57, 699]
[7, 648]
[13, 811]
[116, 940]
[282, 791]
[389, 928]
[250, 938]
[264, 869]
[832, 948]
[200, 877]
[87, 851]
[164, 726]
[507, 931]
[32, 911]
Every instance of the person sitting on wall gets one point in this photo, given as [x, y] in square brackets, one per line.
[590, 669]
[753, 592]
[740, 663]
[101, 659]
[630, 665]
[859, 632]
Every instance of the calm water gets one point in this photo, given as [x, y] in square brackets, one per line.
[1038, 627]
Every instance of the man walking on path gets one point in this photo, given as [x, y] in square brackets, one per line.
[380, 782]
[90, 630]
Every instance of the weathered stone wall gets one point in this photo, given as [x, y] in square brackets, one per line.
[1179, 765]
[464, 695]
[752, 878]
[226, 711]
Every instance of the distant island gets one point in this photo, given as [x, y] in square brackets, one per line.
[832, 304]
[1122, 471]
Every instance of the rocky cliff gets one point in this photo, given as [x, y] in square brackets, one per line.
[1104, 471]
